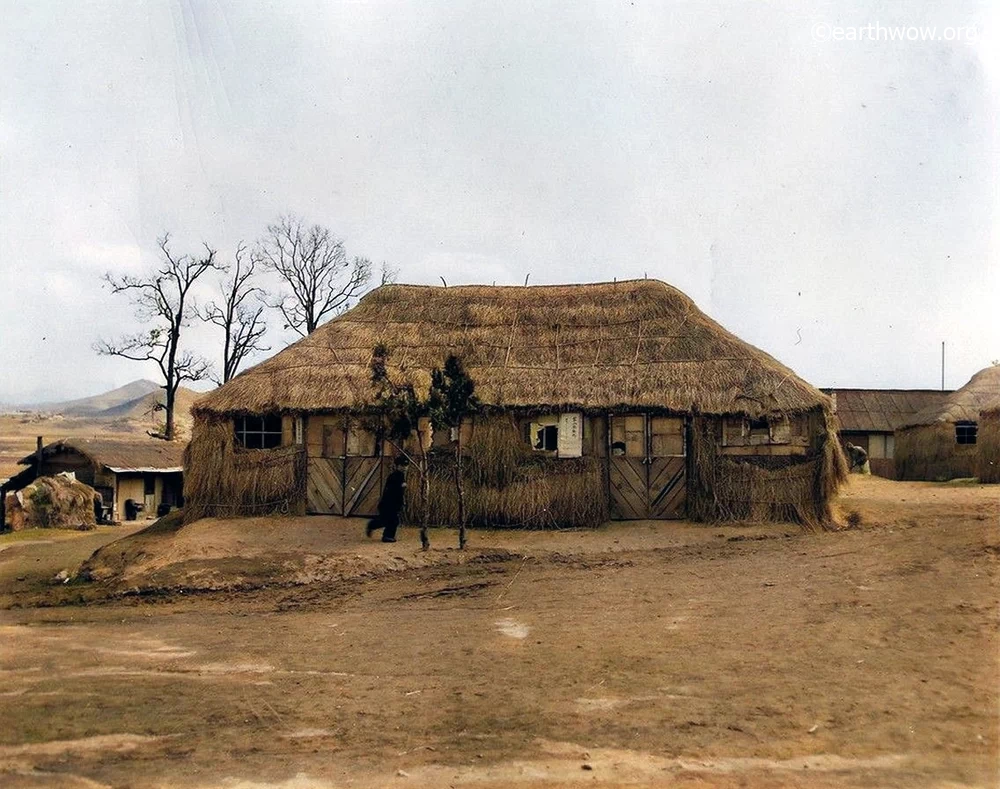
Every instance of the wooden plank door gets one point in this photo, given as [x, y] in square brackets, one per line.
[362, 485]
[647, 467]
[667, 468]
[325, 486]
[347, 475]
[325, 471]
[627, 467]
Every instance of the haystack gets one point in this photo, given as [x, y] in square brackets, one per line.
[942, 442]
[603, 350]
[58, 502]
[988, 444]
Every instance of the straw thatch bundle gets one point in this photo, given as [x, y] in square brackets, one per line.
[226, 481]
[57, 502]
[988, 468]
[926, 446]
[791, 489]
[605, 346]
[506, 484]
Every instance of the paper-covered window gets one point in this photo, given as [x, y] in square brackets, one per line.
[561, 434]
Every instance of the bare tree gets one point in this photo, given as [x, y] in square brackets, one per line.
[313, 263]
[240, 316]
[162, 299]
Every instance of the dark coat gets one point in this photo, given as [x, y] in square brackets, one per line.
[394, 494]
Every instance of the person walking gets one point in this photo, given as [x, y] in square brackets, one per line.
[392, 502]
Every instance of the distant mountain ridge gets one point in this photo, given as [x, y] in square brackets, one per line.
[96, 404]
[146, 405]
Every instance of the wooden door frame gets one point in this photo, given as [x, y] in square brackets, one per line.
[349, 499]
[648, 459]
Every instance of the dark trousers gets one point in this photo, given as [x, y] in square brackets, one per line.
[389, 521]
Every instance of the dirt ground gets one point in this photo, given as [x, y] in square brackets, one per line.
[293, 653]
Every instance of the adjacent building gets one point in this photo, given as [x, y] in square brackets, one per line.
[135, 478]
[868, 419]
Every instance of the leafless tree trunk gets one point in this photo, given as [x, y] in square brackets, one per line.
[313, 264]
[460, 487]
[162, 299]
[239, 317]
[425, 494]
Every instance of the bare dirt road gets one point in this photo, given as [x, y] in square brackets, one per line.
[639, 654]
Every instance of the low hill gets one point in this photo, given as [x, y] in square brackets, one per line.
[145, 406]
[93, 405]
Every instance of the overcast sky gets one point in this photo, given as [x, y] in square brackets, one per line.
[833, 202]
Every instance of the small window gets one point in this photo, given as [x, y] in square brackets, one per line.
[965, 432]
[543, 433]
[546, 438]
[258, 432]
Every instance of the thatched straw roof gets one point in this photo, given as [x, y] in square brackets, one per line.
[141, 455]
[601, 346]
[880, 410]
[962, 405]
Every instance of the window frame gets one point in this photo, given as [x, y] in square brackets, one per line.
[966, 430]
[266, 431]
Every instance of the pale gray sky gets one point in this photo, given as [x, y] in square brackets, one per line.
[834, 202]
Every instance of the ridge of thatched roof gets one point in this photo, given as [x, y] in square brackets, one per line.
[880, 410]
[962, 405]
[639, 343]
[152, 454]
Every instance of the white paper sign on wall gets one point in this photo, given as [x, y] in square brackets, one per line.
[570, 435]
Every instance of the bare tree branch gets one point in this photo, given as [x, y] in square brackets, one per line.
[240, 315]
[313, 264]
[163, 299]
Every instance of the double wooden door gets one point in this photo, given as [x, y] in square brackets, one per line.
[647, 467]
[346, 471]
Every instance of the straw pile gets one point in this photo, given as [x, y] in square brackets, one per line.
[225, 481]
[988, 468]
[58, 502]
[794, 489]
[507, 485]
[926, 447]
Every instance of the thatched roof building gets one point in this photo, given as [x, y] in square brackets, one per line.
[619, 356]
[941, 442]
[146, 472]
